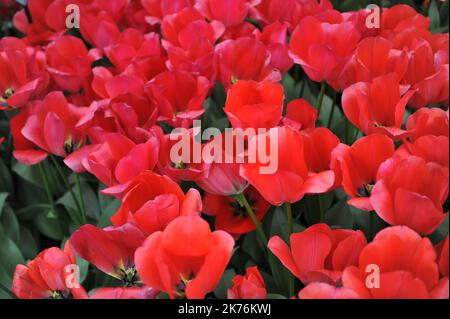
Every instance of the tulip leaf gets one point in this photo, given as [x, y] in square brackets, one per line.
[28, 243]
[3, 197]
[10, 224]
[6, 184]
[10, 253]
[433, 14]
[224, 284]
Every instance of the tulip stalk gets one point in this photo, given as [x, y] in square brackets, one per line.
[47, 186]
[242, 200]
[289, 217]
[330, 118]
[323, 86]
[80, 197]
[291, 231]
[7, 291]
[80, 207]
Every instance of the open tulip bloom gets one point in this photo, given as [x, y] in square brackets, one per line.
[213, 149]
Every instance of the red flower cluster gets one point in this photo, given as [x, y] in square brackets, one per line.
[102, 98]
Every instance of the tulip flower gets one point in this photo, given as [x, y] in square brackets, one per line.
[250, 286]
[410, 191]
[319, 253]
[52, 274]
[254, 105]
[110, 249]
[377, 107]
[187, 259]
[356, 167]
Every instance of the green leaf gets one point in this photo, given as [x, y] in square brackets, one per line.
[6, 184]
[10, 254]
[29, 173]
[84, 268]
[433, 14]
[10, 224]
[340, 215]
[107, 212]
[5, 280]
[441, 232]
[28, 243]
[3, 197]
[225, 283]
[52, 224]
[275, 296]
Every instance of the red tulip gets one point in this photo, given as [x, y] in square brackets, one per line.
[186, 259]
[222, 170]
[300, 115]
[377, 107]
[51, 274]
[401, 17]
[411, 192]
[231, 216]
[99, 28]
[179, 96]
[158, 9]
[138, 54]
[429, 147]
[289, 173]
[69, 62]
[250, 286]
[274, 36]
[46, 127]
[319, 253]
[373, 57]
[245, 58]
[289, 12]
[129, 114]
[181, 169]
[323, 48]
[319, 144]
[321, 290]
[428, 79]
[23, 70]
[117, 160]
[152, 201]
[125, 293]
[407, 267]
[254, 105]
[110, 249]
[189, 42]
[356, 167]
[229, 12]
[428, 121]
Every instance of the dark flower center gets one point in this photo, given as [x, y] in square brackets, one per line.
[239, 210]
[129, 276]
[365, 190]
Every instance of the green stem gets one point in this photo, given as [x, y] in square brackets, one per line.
[289, 217]
[47, 186]
[80, 194]
[356, 135]
[321, 211]
[323, 86]
[302, 88]
[372, 224]
[251, 213]
[69, 188]
[330, 118]
[7, 291]
[291, 230]
[346, 131]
